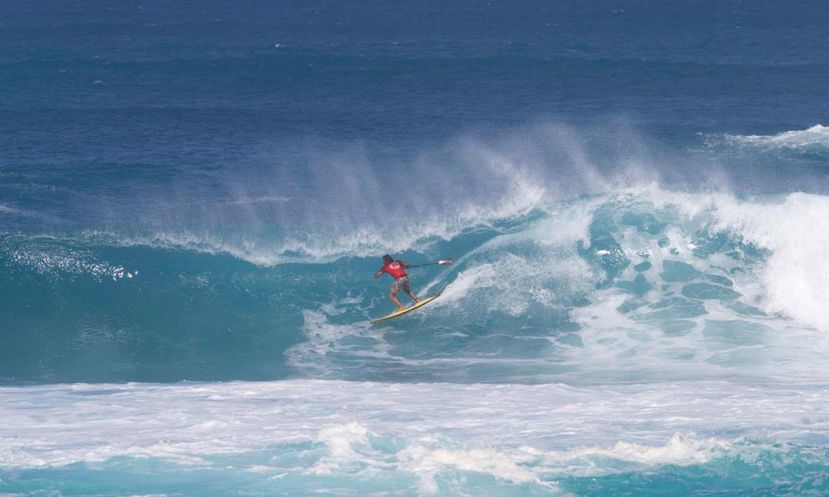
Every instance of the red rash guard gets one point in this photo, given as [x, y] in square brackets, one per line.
[394, 269]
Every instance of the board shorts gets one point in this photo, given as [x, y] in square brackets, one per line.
[400, 283]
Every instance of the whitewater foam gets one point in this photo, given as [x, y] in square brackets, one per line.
[537, 264]
[815, 138]
[789, 230]
[340, 440]
[512, 432]
[425, 461]
[796, 233]
[680, 450]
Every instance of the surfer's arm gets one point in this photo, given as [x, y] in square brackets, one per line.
[379, 273]
[404, 264]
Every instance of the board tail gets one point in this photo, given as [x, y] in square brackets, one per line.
[407, 310]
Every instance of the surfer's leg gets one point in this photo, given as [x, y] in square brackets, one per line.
[407, 290]
[393, 297]
[393, 293]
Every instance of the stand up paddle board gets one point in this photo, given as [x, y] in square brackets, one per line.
[407, 310]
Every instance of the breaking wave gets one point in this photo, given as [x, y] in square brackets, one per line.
[646, 279]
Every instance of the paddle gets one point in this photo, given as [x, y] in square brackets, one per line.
[442, 262]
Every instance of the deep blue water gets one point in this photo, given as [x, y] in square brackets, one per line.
[635, 194]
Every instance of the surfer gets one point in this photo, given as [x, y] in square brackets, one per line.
[397, 270]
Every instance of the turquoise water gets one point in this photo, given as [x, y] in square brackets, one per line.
[194, 197]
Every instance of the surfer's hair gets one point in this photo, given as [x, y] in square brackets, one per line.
[387, 258]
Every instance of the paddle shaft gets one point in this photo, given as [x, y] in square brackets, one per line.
[438, 263]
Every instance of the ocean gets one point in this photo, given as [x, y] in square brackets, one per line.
[194, 196]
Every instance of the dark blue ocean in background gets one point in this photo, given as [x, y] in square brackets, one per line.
[194, 197]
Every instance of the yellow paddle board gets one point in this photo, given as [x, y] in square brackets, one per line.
[407, 310]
